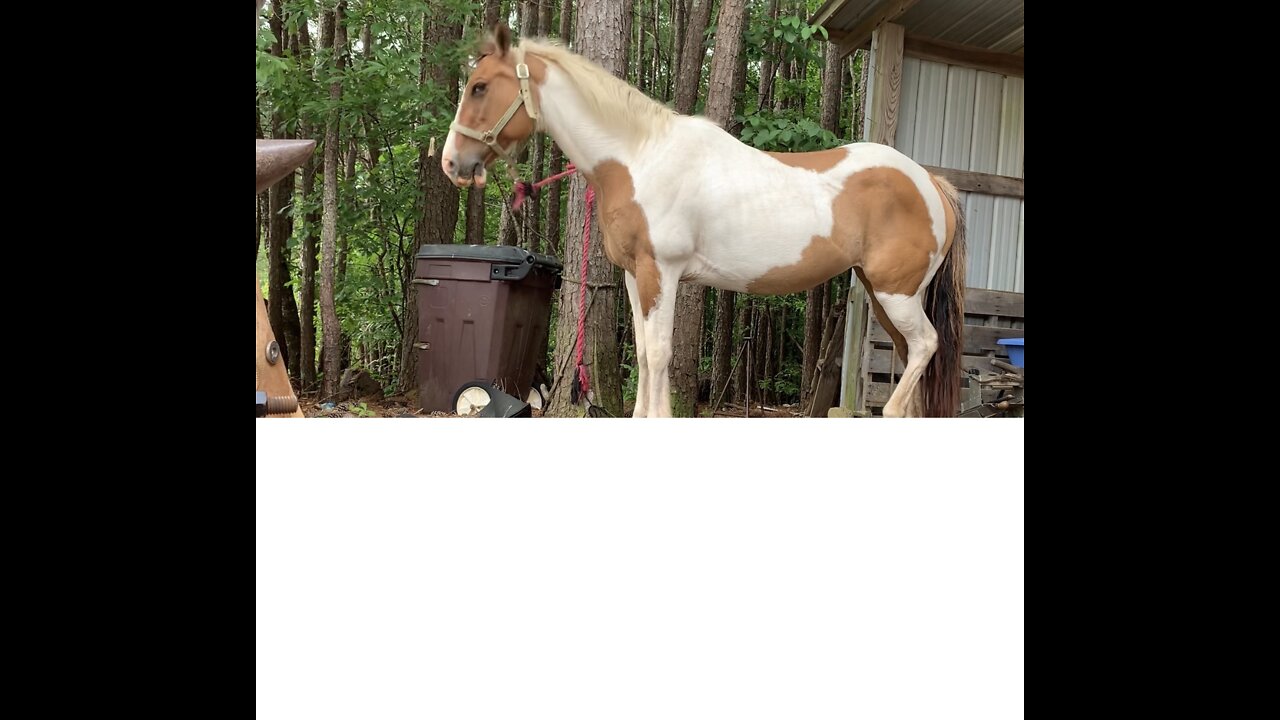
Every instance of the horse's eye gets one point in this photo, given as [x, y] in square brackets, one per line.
[478, 89]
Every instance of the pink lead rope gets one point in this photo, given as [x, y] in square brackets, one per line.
[524, 189]
[581, 383]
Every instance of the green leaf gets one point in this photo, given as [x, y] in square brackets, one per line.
[789, 36]
[822, 29]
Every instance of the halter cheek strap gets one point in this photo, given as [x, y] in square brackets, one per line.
[490, 137]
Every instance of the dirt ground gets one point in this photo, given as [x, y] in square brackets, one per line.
[397, 406]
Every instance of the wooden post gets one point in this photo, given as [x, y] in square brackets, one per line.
[884, 85]
[855, 340]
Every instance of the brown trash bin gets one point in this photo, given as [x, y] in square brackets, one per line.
[483, 314]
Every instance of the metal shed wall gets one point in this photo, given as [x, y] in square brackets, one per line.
[967, 119]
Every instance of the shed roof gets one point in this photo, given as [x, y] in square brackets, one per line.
[994, 25]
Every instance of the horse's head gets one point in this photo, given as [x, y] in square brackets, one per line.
[497, 113]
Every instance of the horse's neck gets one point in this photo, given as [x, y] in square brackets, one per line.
[566, 118]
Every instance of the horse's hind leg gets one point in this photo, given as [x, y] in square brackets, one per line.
[906, 312]
[642, 359]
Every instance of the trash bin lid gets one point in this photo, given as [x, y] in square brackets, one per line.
[507, 254]
[1010, 341]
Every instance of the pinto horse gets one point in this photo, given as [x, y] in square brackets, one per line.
[681, 199]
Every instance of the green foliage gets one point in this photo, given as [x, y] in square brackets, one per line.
[786, 131]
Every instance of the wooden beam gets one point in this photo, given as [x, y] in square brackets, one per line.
[963, 55]
[884, 84]
[823, 13]
[858, 35]
[978, 182]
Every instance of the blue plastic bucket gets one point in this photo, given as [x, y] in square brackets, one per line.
[1014, 346]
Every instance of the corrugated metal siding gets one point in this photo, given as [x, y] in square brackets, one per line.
[931, 102]
[968, 119]
[905, 133]
[1008, 211]
[1017, 283]
[957, 125]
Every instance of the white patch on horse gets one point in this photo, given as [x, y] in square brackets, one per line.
[907, 315]
[567, 118]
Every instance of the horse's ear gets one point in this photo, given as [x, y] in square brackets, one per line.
[502, 37]
[495, 42]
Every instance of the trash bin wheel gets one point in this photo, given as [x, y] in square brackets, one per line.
[473, 397]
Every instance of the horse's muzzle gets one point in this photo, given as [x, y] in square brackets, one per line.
[464, 175]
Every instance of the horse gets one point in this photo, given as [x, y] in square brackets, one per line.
[680, 199]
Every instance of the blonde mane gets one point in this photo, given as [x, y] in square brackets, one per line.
[610, 99]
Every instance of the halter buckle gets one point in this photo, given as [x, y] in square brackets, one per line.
[522, 71]
[487, 139]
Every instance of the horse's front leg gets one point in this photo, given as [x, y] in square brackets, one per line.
[659, 324]
[642, 359]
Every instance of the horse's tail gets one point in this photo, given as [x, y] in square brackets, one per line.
[944, 304]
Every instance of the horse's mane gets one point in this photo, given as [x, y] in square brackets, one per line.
[611, 99]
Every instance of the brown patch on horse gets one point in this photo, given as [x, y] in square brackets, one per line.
[819, 162]
[899, 236]
[899, 342]
[626, 229]
[880, 223]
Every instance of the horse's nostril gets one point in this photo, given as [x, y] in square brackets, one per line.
[448, 165]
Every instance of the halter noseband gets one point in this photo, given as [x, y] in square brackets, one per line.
[524, 97]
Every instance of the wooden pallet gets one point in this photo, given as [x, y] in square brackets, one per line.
[990, 315]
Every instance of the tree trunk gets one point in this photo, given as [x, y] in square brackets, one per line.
[814, 301]
[349, 175]
[831, 95]
[739, 86]
[628, 19]
[566, 21]
[544, 17]
[598, 35]
[780, 88]
[686, 343]
[642, 52]
[693, 53]
[827, 374]
[726, 61]
[768, 66]
[860, 96]
[437, 212]
[740, 373]
[554, 190]
[508, 226]
[766, 351]
[333, 36]
[475, 215]
[277, 198]
[311, 226]
[679, 24]
[476, 195]
[534, 231]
